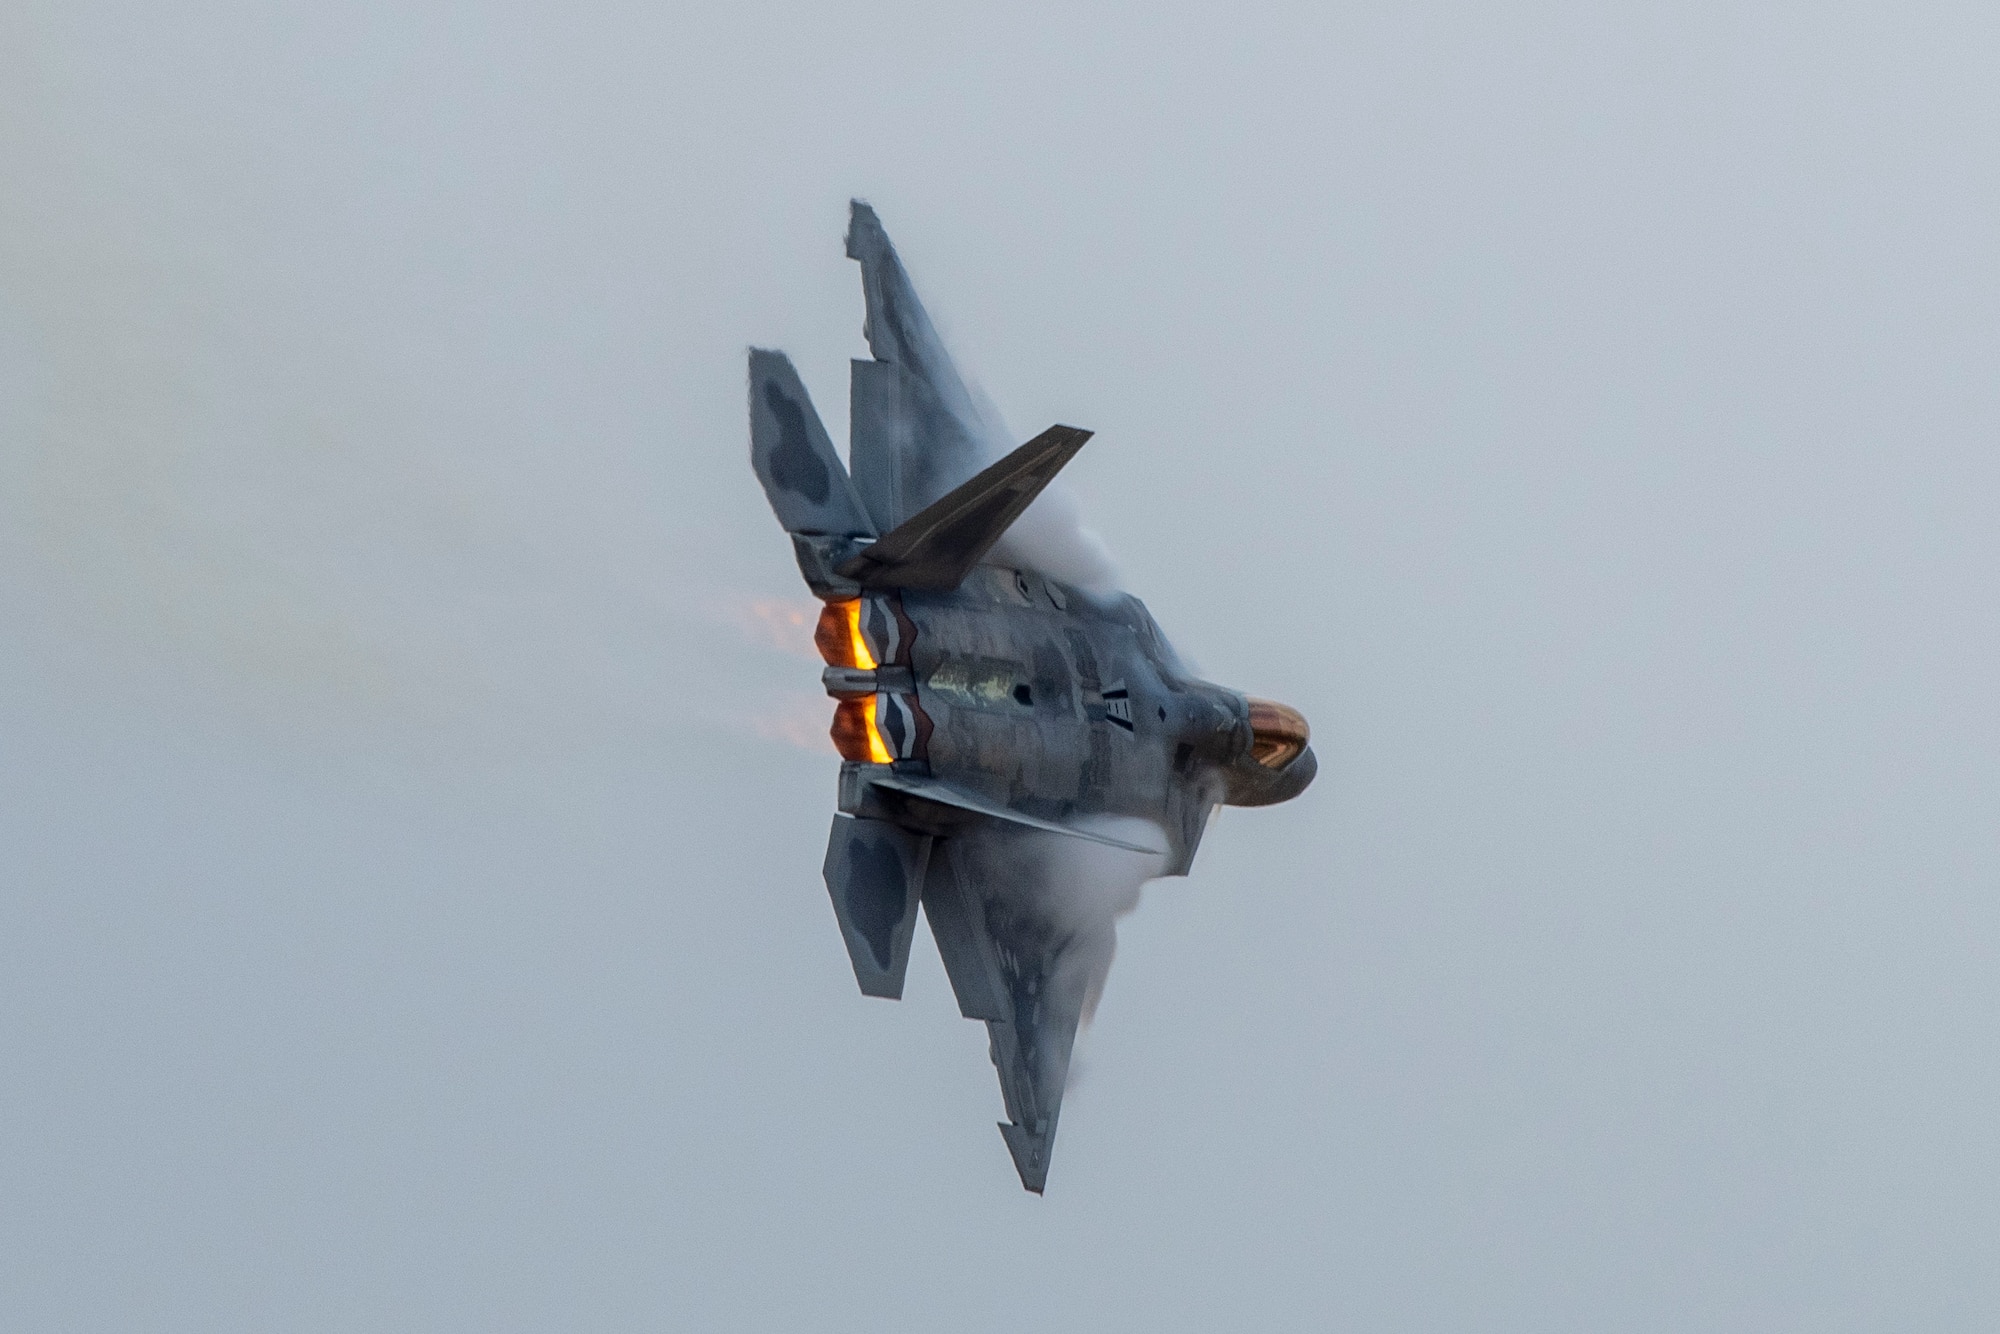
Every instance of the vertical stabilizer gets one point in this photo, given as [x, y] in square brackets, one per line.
[938, 546]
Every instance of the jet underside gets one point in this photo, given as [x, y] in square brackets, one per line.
[1019, 753]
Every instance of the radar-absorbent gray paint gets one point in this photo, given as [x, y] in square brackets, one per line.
[988, 715]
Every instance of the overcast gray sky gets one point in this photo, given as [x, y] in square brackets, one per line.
[411, 786]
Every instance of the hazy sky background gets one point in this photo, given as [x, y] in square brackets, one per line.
[411, 790]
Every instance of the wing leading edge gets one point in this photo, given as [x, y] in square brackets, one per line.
[1028, 954]
[1026, 929]
[915, 428]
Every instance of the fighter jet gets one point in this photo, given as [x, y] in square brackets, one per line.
[1005, 735]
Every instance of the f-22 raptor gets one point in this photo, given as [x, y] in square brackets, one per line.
[1018, 752]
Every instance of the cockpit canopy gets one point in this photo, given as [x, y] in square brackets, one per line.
[1279, 733]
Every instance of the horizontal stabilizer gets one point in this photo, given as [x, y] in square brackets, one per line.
[938, 546]
[803, 478]
[946, 794]
[875, 875]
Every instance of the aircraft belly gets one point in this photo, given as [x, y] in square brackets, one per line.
[1015, 696]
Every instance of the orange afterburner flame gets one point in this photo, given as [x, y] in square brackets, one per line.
[854, 732]
[838, 635]
[840, 641]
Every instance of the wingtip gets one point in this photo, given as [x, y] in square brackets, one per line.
[1030, 1153]
[864, 229]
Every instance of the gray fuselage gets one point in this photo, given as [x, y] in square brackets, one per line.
[1061, 706]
